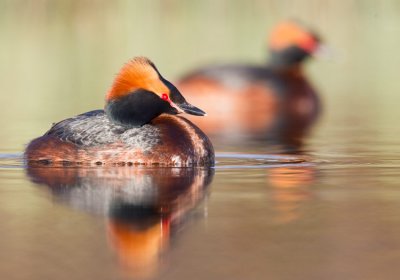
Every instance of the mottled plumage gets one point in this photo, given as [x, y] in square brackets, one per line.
[92, 139]
[95, 128]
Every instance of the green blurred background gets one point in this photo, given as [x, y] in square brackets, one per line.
[58, 58]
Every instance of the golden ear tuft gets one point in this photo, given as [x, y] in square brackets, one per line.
[292, 33]
[139, 73]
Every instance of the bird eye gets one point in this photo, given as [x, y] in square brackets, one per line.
[308, 44]
[164, 96]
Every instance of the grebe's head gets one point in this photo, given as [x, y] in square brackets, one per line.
[139, 94]
[291, 42]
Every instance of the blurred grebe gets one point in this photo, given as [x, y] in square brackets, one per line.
[271, 100]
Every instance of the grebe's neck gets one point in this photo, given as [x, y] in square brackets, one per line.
[137, 108]
[289, 59]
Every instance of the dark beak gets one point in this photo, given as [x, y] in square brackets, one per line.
[179, 101]
[190, 109]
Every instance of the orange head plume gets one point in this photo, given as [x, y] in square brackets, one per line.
[138, 249]
[138, 73]
[293, 33]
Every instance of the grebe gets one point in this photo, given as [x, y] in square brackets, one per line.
[274, 100]
[139, 125]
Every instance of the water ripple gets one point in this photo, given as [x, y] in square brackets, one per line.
[249, 161]
[223, 160]
[11, 160]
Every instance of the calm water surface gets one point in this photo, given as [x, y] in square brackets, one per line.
[329, 210]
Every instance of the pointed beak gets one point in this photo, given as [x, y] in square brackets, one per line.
[180, 103]
[190, 109]
[324, 52]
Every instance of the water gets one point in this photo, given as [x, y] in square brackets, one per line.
[329, 213]
[329, 210]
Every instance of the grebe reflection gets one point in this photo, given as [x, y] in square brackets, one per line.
[144, 207]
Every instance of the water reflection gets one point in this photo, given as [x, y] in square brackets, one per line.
[144, 208]
[290, 190]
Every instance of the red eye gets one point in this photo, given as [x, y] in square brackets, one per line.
[308, 44]
[164, 96]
